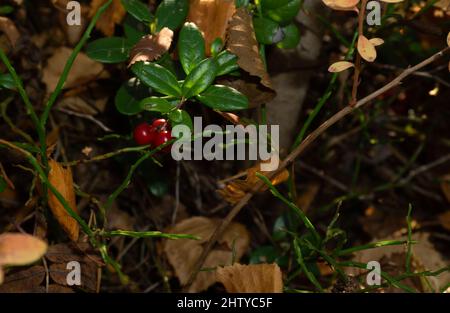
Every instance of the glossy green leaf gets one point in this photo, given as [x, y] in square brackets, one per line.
[273, 4]
[191, 47]
[286, 13]
[7, 81]
[267, 31]
[171, 14]
[156, 104]
[227, 63]
[128, 97]
[109, 50]
[133, 29]
[180, 117]
[241, 3]
[223, 98]
[216, 46]
[138, 9]
[157, 77]
[291, 37]
[200, 78]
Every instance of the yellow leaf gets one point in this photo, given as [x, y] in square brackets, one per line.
[376, 41]
[340, 66]
[255, 278]
[62, 180]
[183, 253]
[20, 249]
[366, 49]
[391, 1]
[341, 4]
[448, 39]
[112, 16]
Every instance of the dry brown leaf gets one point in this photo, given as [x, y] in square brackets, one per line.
[62, 180]
[306, 198]
[444, 220]
[20, 249]
[211, 17]
[112, 16]
[66, 252]
[151, 47]
[24, 280]
[344, 5]
[183, 253]
[445, 186]
[366, 49]
[255, 278]
[83, 70]
[236, 190]
[9, 28]
[241, 41]
[340, 66]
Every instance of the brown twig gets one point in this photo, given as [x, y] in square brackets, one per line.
[357, 73]
[299, 150]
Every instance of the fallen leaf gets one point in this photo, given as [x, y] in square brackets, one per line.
[77, 104]
[211, 17]
[24, 280]
[340, 66]
[112, 16]
[83, 70]
[448, 39]
[445, 186]
[88, 271]
[9, 28]
[66, 252]
[151, 47]
[306, 198]
[183, 253]
[366, 49]
[444, 220]
[345, 5]
[62, 180]
[255, 278]
[376, 41]
[18, 249]
[242, 42]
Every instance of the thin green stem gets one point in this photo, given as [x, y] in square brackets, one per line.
[409, 242]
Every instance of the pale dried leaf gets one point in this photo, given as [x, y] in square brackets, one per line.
[255, 278]
[392, 1]
[83, 70]
[112, 16]
[9, 28]
[448, 39]
[183, 253]
[211, 17]
[62, 180]
[366, 49]
[151, 47]
[20, 249]
[376, 41]
[340, 66]
[242, 42]
[344, 5]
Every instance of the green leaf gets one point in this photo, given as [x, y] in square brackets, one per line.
[267, 31]
[227, 63]
[156, 104]
[133, 29]
[7, 81]
[216, 46]
[191, 47]
[286, 13]
[273, 4]
[128, 97]
[3, 184]
[171, 14]
[200, 78]
[6, 9]
[180, 117]
[291, 37]
[223, 98]
[138, 9]
[157, 77]
[109, 50]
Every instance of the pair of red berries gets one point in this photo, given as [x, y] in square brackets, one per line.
[155, 134]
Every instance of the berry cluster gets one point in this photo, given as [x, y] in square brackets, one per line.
[155, 134]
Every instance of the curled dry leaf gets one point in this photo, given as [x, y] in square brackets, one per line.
[340, 66]
[25, 280]
[183, 253]
[366, 49]
[344, 5]
[9, 28]
[112, 16]
[242, 42]
[151, 47]
[234, 191]
[211, 17]
[83, 70]
[376, 41]
[255, 278]
[62, 180]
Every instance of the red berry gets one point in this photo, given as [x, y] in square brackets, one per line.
[143, 134]
[160, 125]
[161, 138]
